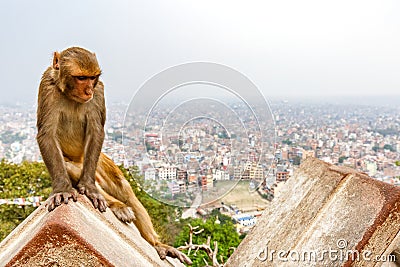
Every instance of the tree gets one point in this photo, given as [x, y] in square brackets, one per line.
[164, 216]
[388, 147]
[342, 159]
[296, 160]
[9, 137]
[20, 181]
[32, 179]
[224, 233]
[287, 142]
[211, 253]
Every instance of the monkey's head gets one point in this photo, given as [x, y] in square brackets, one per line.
[78, 72]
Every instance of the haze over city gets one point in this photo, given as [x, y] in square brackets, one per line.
[329, 71]
[287, 48]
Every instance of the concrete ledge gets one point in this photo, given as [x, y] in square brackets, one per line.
[77, 235]
[325, 208]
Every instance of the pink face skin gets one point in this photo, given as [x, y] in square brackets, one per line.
[84, 88]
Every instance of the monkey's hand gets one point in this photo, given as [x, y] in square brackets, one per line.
[165, 250]
[56, 198]
[90, 190]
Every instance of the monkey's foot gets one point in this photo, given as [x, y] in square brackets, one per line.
[56, 199]
[93, 194]
[123, 212]
[165, 250]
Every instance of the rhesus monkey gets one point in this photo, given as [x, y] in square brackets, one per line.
[70, 120]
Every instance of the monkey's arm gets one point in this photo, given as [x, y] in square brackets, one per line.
[51, 152]
[93, 143]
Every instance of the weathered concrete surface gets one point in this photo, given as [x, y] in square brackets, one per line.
[77, 235]
[328, 212]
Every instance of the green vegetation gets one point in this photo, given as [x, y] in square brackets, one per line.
[389, 147]
[224, 233]
[389, 131]
[287, 142]
[9, 137]
[24, 180]
[150, 147]
[223, 135]
[164, 216]
[115, 136]
[385, 147]
[296, 160]
[342, 159]
[32, 179]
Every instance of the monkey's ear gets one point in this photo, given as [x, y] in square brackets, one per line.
[56, 57]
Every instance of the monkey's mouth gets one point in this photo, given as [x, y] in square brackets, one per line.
[81, 99]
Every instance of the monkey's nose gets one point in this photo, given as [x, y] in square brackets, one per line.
[89, 91]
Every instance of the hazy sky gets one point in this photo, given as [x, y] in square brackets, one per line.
[284, 47]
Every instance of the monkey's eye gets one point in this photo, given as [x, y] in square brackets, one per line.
[81, 78]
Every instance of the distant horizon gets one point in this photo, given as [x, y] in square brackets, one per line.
[373, 100]
[290, 49]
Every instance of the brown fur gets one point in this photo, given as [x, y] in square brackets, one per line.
[70, 120]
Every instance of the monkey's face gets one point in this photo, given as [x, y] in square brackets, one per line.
[79, 73]
[82, 88]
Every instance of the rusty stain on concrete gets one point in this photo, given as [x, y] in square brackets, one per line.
[77, 235]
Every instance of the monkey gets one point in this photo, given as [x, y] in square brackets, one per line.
[71, 114]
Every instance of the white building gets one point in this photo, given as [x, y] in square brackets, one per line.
[220, 175]
[150, 174]
[245, 219]
[167, 173]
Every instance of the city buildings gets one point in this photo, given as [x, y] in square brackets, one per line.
[366, 138]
